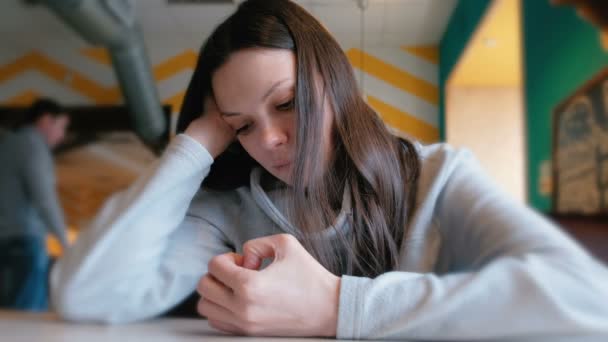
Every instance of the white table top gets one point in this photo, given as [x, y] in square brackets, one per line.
[18, 326]
[33, 327]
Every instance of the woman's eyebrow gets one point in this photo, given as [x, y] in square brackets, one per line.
[274, 87]
[270, 91]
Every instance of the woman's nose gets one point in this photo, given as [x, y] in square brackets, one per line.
[274, 136]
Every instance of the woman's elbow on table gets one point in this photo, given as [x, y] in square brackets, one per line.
[67, 300]
[80, 298]
[80, 301]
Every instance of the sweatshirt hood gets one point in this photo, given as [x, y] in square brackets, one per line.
[266, 204]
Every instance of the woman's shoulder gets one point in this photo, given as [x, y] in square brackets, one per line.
[440, 152]
[438, 161]
[222, 208]
[442, 156]
[207, 199]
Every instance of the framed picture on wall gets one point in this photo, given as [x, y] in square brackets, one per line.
[580, 150]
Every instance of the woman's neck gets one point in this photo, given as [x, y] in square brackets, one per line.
[270, 183]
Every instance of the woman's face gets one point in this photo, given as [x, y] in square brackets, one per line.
[254, 91]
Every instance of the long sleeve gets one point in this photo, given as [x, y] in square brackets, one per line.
[39, 179]
[513, 275]
[145, 251]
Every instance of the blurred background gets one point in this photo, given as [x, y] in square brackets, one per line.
[522, 83]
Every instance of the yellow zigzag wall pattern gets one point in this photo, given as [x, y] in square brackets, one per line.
[406, 101]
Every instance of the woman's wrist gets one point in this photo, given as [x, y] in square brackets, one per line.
[211, 132]
[204, 140]
[330, 323]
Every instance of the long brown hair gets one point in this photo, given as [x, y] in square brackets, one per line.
[378, 169]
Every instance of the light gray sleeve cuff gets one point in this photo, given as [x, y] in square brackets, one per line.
[350, 311]
[192, 150]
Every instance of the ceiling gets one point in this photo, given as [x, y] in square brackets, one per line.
[385, 22]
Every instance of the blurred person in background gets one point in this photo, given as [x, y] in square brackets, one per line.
[29, 205]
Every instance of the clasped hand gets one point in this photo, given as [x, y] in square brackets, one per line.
[293, 296]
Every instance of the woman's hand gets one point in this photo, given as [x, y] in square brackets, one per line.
[211, 130]
[293, 296]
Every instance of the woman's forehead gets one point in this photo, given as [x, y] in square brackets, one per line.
[256, 64]
[251, 73]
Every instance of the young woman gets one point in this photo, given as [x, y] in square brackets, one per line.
[313, 220]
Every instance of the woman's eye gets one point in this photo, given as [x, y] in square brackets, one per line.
[286, 106]
[244, 129]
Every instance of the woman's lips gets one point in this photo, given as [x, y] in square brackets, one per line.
[282, 165]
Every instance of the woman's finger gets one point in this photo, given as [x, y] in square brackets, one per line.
[226, 268]
[214, 311]
[268, 247]
[213, 290]
[225, 327]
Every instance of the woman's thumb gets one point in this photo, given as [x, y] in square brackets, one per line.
[269, 247]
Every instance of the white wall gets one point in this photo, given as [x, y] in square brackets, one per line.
[489, 122]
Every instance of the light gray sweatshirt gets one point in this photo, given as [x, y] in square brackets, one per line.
[474, 264]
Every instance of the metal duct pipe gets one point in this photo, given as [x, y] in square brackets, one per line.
[112, 23]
